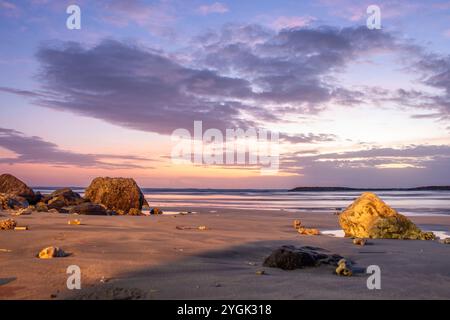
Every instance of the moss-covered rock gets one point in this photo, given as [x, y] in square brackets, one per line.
[369, 217]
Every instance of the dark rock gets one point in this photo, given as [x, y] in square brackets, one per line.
[37, 197]
[118, 194]
[290, 258]
[12, 202]
[135, 212]
[156, 211]
[88, 208]
[41, 207]
[65, 209]
[56, 204]
[13, 186]
[111, 213]
[63, 198]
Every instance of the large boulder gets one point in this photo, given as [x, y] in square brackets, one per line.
[12, 186]
[118, 194]
[369, 217]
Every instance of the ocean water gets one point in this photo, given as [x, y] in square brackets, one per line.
[406, 202]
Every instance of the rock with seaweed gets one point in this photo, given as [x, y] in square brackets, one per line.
[369, 217]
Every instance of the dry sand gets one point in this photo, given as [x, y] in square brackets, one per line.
[147, 257]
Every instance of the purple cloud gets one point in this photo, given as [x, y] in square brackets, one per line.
[36, 150]
[364, 168]
[235, 74]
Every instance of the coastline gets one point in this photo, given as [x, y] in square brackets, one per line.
[147, 257]
[409, 203]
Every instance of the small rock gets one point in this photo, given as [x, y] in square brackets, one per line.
[156, 211]
[359, 241]
[74, 222]
[51, 252]
[135, 212]
[21, 228]
[104, 280]
[88, 208]
[308, 231]
[445, 241]
[23, 212]
[297, 224]
[8, 224]
[260, 272]
[53, 211]
[202, 228]
[41, 207]
[111, 213]
[344, 268]
[56, 203]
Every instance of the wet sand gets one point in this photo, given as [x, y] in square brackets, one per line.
[147, 257]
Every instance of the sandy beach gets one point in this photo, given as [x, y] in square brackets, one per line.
[148, 257]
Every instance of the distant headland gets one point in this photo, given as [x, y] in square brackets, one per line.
[318, 189]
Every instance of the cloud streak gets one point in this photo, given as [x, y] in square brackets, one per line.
[32, 149]
[378, 167]
[216, 7]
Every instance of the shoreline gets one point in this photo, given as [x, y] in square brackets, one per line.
[147, 257]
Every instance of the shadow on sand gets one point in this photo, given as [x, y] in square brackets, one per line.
[228, 273]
